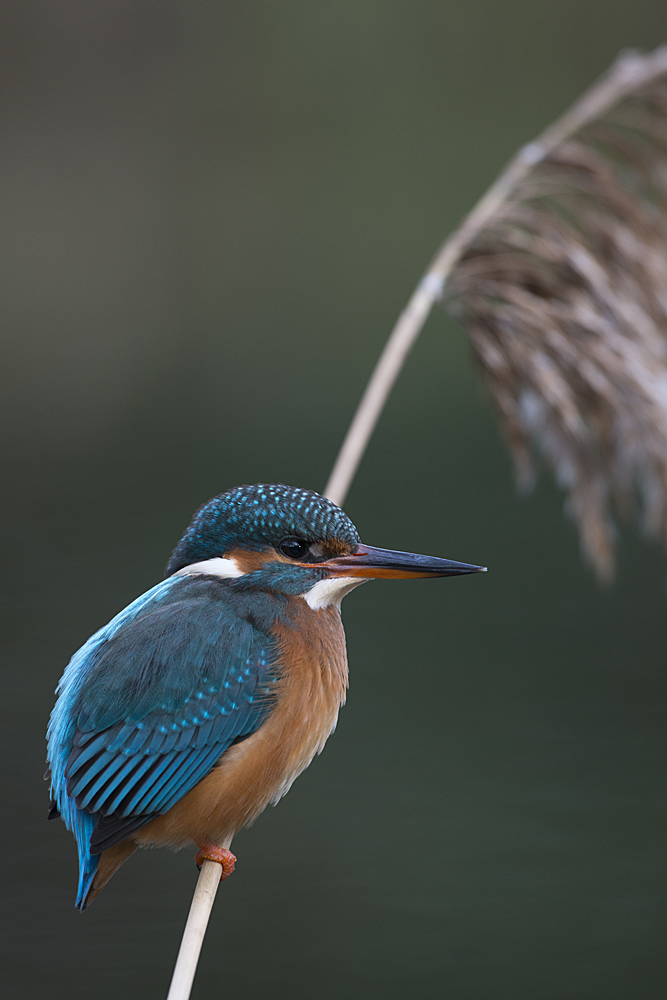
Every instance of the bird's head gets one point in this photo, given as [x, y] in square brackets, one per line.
[293, 542]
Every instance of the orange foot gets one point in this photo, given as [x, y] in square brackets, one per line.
[212, 852]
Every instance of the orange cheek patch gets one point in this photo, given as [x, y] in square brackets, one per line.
[337, 547]
[251, 562]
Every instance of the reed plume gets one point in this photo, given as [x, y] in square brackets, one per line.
[559, 276]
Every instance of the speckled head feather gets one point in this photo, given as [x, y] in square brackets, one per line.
[256, 517]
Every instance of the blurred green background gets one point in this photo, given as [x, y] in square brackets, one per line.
[213, 213]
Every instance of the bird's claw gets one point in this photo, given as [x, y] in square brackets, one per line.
[212, 852]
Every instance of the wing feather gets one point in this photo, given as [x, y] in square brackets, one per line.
[105, 782]
[164, 698]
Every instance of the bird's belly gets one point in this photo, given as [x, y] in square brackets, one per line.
[260, 770]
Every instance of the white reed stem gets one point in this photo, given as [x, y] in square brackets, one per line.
[628, 73]
[195, 929]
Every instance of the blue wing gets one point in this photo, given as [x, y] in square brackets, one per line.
[148, 706]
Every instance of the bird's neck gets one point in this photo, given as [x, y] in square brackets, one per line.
[312, 651]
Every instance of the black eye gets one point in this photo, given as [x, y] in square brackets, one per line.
[294, 548]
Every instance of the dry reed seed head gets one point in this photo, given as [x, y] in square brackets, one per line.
[564, 297]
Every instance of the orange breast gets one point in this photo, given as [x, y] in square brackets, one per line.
[311, 688]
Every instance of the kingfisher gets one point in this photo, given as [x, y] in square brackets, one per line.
[200, 703]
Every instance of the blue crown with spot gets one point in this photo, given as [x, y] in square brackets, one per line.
[254, 517]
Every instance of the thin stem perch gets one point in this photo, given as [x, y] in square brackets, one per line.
[195, 929]
[630, 72]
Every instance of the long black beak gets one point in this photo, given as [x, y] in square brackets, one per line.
[370, 562]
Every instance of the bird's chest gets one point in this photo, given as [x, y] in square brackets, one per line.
[310, 689]
[312, 683]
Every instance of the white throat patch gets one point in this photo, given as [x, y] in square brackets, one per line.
[224, 568]
[327, 592]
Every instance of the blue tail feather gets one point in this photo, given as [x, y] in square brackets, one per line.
[82, 827]
[86, 877]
